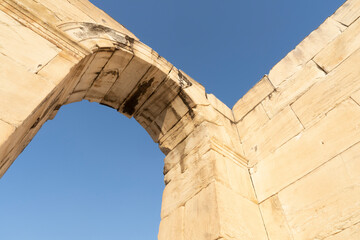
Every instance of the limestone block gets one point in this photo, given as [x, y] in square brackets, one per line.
[348, 12]
[351, 158]
[172, 227]
[239, 218]
[164, 94]
[341, 48]
[322, 203]
[95, 67]
[23, 45]
[58, 68]
[356, 96]
[178, 133]
[66, 11]
[234, 176]
[288, 91]
[113, 68]
[351, 233]
[308, 150]
[201, 218]
[171, 115]
[126, 82]
[326, 94]
[147, 85]
[252, 98]
[252, 121]
[20, 91]
[306, 50]
[274, 219]
[100, 16]
[5, 132]
[220, 106]
[261, 143]
[184, 186]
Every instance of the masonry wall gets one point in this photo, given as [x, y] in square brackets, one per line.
[300, 130]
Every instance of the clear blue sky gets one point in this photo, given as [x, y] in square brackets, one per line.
[93, 174]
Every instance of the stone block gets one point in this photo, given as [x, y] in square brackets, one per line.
[261, 143]
[239, 218]
[171, 115]
[108, 75]
[172, 226]
[308, 150]
[202, 219]
[220, 107]
[275, 221]
[93, 70]
[290, 90]
[58, 68]
[341, 48]
[21, 91]
[322, 203]
[255, 119]
[326, 94]
[306, 50]
[350, 233]
[351, 158]
[126, 82]
[24, 46]
[348, 12]
[252, 98]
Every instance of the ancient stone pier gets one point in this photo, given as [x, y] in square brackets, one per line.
[284, 163]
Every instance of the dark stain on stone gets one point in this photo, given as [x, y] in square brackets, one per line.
[107, 105]
[35, 123]
[131, 103]
[183, 98]
[184, 82]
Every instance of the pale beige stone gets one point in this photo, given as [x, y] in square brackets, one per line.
[111, 72]
[5, 131]
[16, 40]
[20, 91]
[66, 11]
[306, 50]
[351, 233]
[326, 94]
[261, 143]
[58, 68]
[239, 218]
[171, 115]
[255, 119]
[341, 48]
[351, 158]
[275, 221]
[252, 98]
[348, 12]
[322, 203]
[94, 68]
[289, 91]
[220, 106]
[356, 96]
[308, 150]
[172, 227]
[202, 220]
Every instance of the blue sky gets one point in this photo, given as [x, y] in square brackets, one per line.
[91, 173]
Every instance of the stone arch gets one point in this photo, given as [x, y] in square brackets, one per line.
[89, 56]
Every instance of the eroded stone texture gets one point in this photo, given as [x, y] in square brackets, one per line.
[284, 163]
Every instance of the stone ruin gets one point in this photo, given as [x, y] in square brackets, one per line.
[283, 163]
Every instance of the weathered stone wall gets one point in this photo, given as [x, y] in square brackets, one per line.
[282, 165]
[299, 127]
